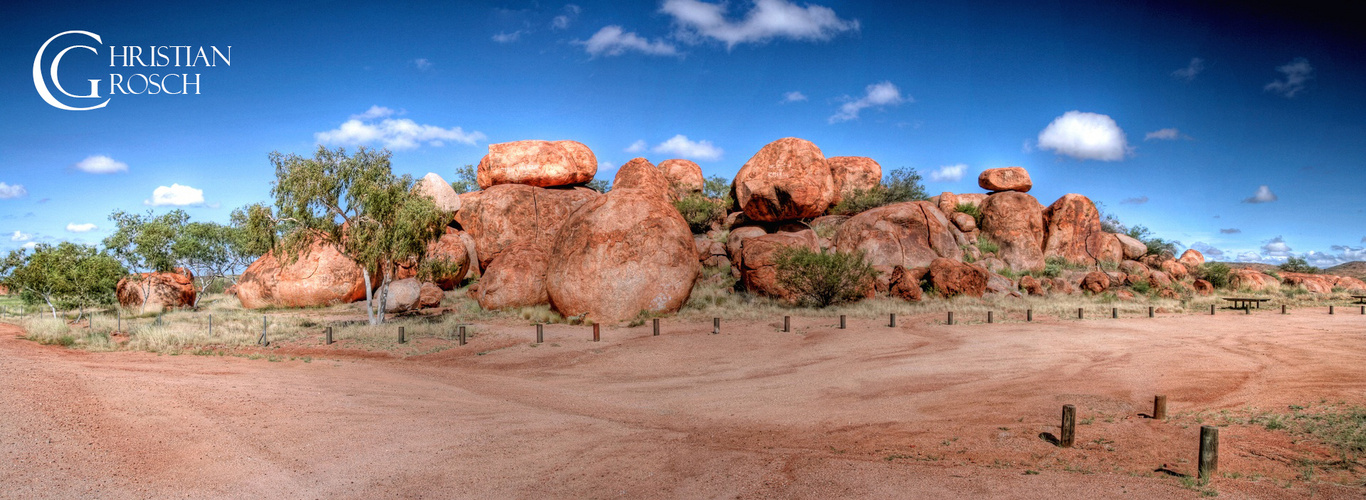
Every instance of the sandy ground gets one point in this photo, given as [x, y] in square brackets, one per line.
[918, 411]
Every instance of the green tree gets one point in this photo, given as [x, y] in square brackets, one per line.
[66, 275]
[211, 251]
[355, 203]
[716, 187]
[823, 278]
[902, 184]
[599, 185]
[466, 179]
[1298, 265]
[145, 243]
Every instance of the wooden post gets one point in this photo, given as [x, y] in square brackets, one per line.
[1209, 452]
[656, 326]
[1282, 308]
[1029, 315]
[990, 317]
[1363, 310]
[715, 326]
[540, 333]
[1150, 311]
[1114, 313]
[403, 339]
[1079, 314]
[211, 325]
[841, 322]
[119, 311]
[264, 341]
[950, 322]
[787, 324]
[1069, 426]
[597, 335]
[1330, 309]
[1247, 310]
[461, 329]
[327, 334]
[892, 322]
[1159, 407]
[1211, 309]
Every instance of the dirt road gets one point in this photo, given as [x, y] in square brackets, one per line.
[918, 411]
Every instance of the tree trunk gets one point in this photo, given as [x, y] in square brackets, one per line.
[369, 299]
[383, 297]
[50, 306]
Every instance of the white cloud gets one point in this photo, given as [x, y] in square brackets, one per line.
[31, 245]
[562, 21]
[613, 41]
[16, 191]
[400, 133]
[80, 228]
[422, 63]
[949, 173]
[768, 19]
[1297, 72]
[508, 37]
[175, 195]
[1263, 195]
[794, 96]
[100, 164]
[1166, 134]
[875, 95]
[1085, 136]
[636, 147]
[18, 236]
[1276, 247]
[1188, 73]
[374, 112]
[680, 145]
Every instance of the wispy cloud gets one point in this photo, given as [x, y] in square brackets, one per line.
[100, 164]
[80, 228]
[948, 173]
[1231, 230]
[681, 146]
[1166, 134]
[697, 21]
[393, 133]
[422, 63]
[636, 147]
[175, 195]
[875, 95]
[12, 191]
[20, 236]
[567, 16]
[1297, 73]
[1188, 73]
[1263, 195]
[508, 37]
[614, 41]
[794, 96]
[1085, 136]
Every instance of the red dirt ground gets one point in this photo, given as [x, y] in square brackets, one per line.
[918, 411]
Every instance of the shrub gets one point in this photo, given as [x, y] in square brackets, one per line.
[599, 185]
[1108, 265]
[1214, 272]
[701, 212]
[903, 184]
[1052, 269]
[986, 245]
[1141, 287]
[716, 187]
[823, 278]
[970, 209]
[1298, 265]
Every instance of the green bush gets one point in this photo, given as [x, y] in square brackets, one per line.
[823, 278]
[716, 187]
[701, 212]
[1214, 272]
[970, 209]
[1141, 287]
[902, 184]
[986, 245]
[1298, 265]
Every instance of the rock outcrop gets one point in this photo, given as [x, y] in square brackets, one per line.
[909, 234]
[787, 179]
[760, 258]
[1005, 179]
[1074, 232]
[1015, 222]
[1192, 259]
[951, 278]
[639, 173]
[156, 292]
[537, 163]
[1252, 280]
[508, 215]
[624, 253]
[1131, 247]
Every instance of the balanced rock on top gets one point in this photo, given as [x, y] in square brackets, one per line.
[684, 175]
[1005, 179]
[537, 163]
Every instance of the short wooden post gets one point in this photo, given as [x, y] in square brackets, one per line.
[1282, 308]
[327, 334]
[1069, 426]
[1363, 310]
[1209, 452]
[1247, 310]
[842, 322]
[1330, 309]
[787, 324]
[1211, 309]
[120, 314]
[891, 323]
[1080, 315]
[656, 327]
[403, 339]
[1159, 407]
[540, 333]
[461, 329]
[1114, 313]
[264, 341]
[991, 318]
[715, 326]
[597, 334]
[950, 322]
[1150, 311]
[1029, 315]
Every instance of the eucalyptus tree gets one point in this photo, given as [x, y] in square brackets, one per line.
[353, 202]
[66, 275]
[146, 243]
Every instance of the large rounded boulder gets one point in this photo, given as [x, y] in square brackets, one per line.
[625, 252]
[909, 234]
[319, 276]
[760, 268]
[1014, 221]
[1005, 179]
[508, 215]
[435, 188]
[449, 259]
[1192, 258]
[537, 163]
[787, 179]
[1252, 279]
[639, 173]
[156, 292]
[515, 279]
[684, 176]
[1074, 232]
[852, 174]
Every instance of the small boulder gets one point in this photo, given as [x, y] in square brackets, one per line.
[537, 163]
[1132, 268]
[430, 295]
[853, 173]
[1203, 287]
[1192, 258]
[403, 295]
[1159, 279]
[1031, 286]
[1001, 286]
[516, 278]
[684, 176]
[1132, 248]
[1095, 282]
[905, 283]
[1005, 179]
[735, 241]
[1175, 269]
[1061, 286]
[964, 221]
[787, 179]
[952, 278]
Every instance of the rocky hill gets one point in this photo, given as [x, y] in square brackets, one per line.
[1355, 269]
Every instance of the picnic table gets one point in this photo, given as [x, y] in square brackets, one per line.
[1245, 303]
[1361, 299]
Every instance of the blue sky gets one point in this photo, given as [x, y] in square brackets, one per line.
[1172, 116]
